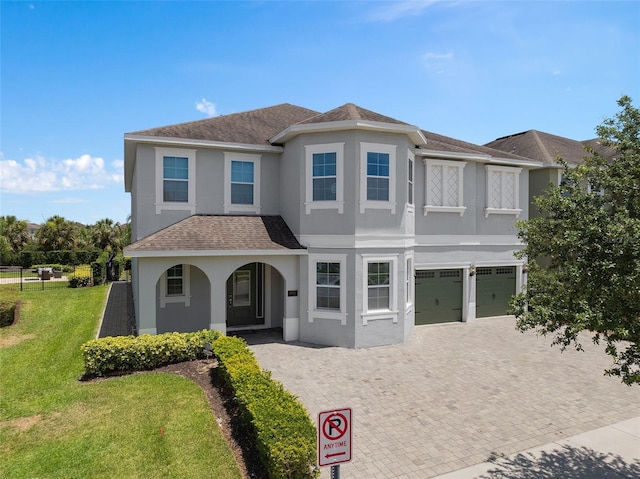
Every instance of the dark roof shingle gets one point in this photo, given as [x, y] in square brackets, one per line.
[250, 127]
[221, 232]
[541, 146]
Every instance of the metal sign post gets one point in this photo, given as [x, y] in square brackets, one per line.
[334, 439]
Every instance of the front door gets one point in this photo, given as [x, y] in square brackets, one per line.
[243, 295]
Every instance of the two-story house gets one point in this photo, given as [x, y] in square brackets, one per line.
[343, 228]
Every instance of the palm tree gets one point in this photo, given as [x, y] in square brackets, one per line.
[57, 234]
[105, 234]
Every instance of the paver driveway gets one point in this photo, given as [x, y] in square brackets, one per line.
[452, 395]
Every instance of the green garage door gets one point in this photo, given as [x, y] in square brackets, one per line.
[494, 289]
[438, 296]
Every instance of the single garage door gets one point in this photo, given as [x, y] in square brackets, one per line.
[438, 296]
[494, 289]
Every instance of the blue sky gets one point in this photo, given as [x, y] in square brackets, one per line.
[76, 76]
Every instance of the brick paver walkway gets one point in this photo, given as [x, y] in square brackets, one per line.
[452, 395]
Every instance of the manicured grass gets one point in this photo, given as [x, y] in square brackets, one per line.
[53, 426]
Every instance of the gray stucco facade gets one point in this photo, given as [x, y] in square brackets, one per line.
[396, 204]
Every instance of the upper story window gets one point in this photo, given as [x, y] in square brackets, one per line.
[444, 186]
[324, 177]
[503, 190]
[377, 179]
[329, 296]
[242, 183]
[377, 176]
[175, 179]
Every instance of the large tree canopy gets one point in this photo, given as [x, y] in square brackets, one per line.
[584, 251]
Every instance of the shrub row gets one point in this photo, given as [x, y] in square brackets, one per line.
[79, 281]
[8, 304]
[27, 258]
[110, 355]
[284, 434]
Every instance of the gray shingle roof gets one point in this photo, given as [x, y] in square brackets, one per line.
[222, 233]
[349, 111]
[444, 143]
[251, 127]
[541, 146]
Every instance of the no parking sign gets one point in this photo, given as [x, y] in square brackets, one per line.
[334, 437]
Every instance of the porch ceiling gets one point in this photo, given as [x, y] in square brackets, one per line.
[227, 233]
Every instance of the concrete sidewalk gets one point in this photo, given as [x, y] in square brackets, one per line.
[607, 452]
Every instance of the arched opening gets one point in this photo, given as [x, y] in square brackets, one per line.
[183, 303]
[254, 297]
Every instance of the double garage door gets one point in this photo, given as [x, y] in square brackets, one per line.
[438, 293]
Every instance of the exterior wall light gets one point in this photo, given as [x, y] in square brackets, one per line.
[472, 271]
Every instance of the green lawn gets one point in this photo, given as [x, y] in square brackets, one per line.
[53, 426]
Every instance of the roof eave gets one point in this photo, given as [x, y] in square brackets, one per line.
[411, 131]
[220, 145]
[479, 158]
[200, 253]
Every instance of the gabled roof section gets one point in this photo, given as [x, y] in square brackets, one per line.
[541, 146]
[349, 111]
[349, 117]
[249, 127]
[208, 234]
[446, 147]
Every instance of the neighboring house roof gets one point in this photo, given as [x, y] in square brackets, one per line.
[250, 127]
[541, 146]
[604, 151]
[209, 233]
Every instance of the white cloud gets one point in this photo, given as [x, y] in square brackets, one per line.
[437, 62]
[206, 107]
[391, 11]
[39, 174]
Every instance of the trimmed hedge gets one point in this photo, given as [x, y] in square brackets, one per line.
[79, 281]
[8, 304]
[120, 354]
[284, 434]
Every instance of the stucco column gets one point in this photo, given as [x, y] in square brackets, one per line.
[469, 294]
[291, 320]
[218, 320]
[147, 300]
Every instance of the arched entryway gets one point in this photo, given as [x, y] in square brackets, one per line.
[254, 297]
[183, 301]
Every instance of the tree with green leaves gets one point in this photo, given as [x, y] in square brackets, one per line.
[584, 251]
[56, 234]
[105, 235]
[14, 236]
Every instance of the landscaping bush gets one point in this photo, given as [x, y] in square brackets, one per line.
[110, 355]
[285, 435]
[79, 281]
[8, 304]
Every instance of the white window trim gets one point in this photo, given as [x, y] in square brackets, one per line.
[160, 204]
[233, 208]
[503, 211]
[316, 313]
[373, 204]
[338, 204]
[185, 297]
[428, 192]
[392, 312]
